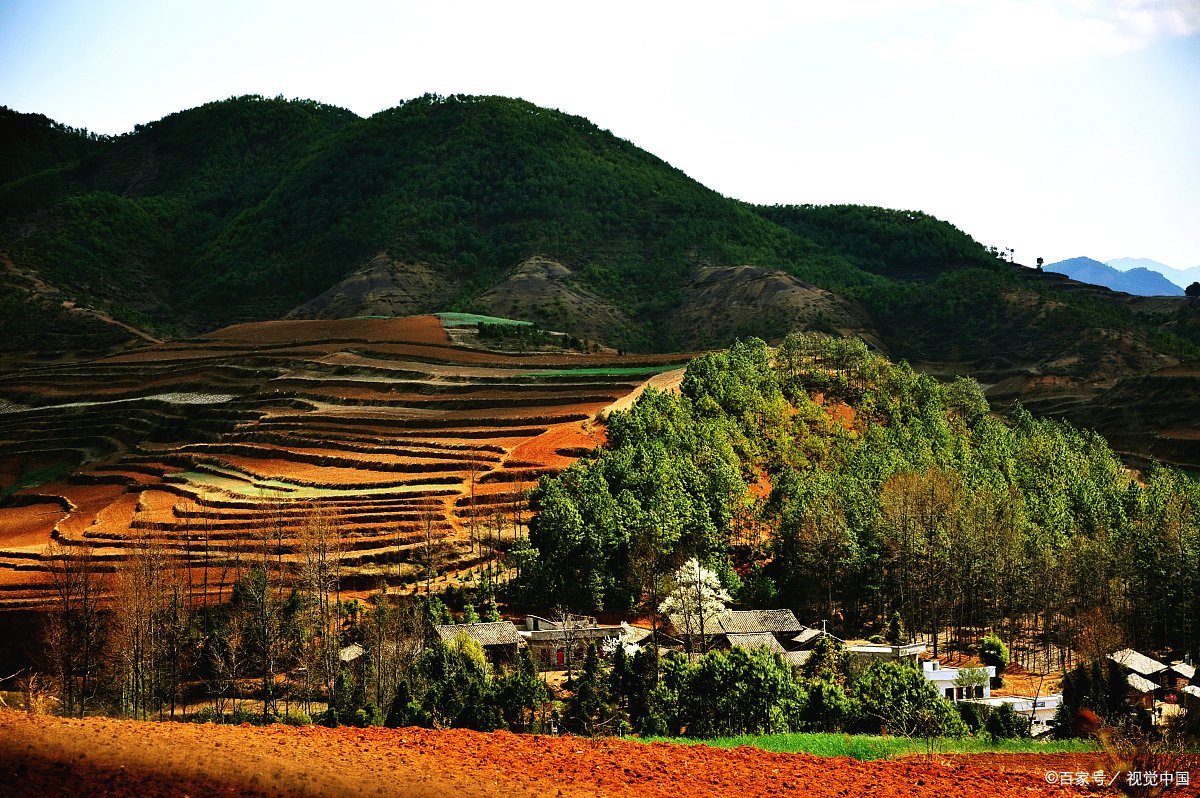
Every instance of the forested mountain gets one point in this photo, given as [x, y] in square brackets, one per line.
[1138, 281]
[255, 208]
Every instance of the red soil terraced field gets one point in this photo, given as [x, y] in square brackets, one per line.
[103, 758]
[207, 444]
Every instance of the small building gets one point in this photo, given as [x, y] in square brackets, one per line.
[499, 639]
[350, 653]
[553, 642]
[1141, 690]
[634, 638]
[886, 651]
[807, 638]
[1040, 710]
[1179, 675]
[945, 680]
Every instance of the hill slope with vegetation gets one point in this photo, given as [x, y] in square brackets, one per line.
[254, 208]
[822, 478]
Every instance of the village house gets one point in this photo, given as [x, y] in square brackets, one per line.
[559, 643]
[1137, 664]
[1156, 687]
[499, 639]
[1179, 675]
[948, 681]
[740, 629]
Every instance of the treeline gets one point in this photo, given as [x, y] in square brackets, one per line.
[261, 634]
[822, 478]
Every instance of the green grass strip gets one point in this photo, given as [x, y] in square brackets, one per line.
[865, 748]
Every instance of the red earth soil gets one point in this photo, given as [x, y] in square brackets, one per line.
[417, 329]
[431, 403]
[100, 757]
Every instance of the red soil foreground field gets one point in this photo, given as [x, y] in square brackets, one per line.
[100, 757]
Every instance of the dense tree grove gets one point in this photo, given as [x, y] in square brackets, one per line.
[823, 478]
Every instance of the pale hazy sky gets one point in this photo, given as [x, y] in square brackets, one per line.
[1058, 128]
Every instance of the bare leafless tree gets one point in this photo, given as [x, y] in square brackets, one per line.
[74, 625]
[319, 564]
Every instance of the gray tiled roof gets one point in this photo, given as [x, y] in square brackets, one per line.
[755, 640]
[1140, 684]
[753, 621]
[1138, 663]
[497, 633]
[807, 636]
[796, 657]
[742, 622]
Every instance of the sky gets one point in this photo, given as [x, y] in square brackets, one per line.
[1054, 128]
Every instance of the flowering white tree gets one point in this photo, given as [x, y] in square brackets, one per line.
[698, 598]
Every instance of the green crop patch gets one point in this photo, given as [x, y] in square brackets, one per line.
[604, 371]
[472, 319]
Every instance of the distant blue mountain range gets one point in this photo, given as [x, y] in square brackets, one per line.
[1181, 277]
[1139, 281]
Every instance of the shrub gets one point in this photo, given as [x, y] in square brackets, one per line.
[1004, 723]
[895, 696]
[993, 652]
[829, 708]
[296, 719]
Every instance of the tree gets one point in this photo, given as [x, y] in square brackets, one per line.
[521, 691]
[1192, 290]
[393, 633]
[697, 600]
[829, 708]
[1004, 723]
[826, 661]
[589, 709]
[895, 630]
[74, 626]
[458, 686]
[134, 640]
[971, 680]
[319, 580]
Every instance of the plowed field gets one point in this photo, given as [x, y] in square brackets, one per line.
[207, 444]
[98, 758]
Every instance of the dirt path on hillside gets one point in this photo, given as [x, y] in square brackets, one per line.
[663, 381]
[101, 758]
[43, 288]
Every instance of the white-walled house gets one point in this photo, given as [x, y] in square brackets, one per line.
[1040, 710]
[944, 680]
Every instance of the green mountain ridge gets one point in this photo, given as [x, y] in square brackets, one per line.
[253, 208]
